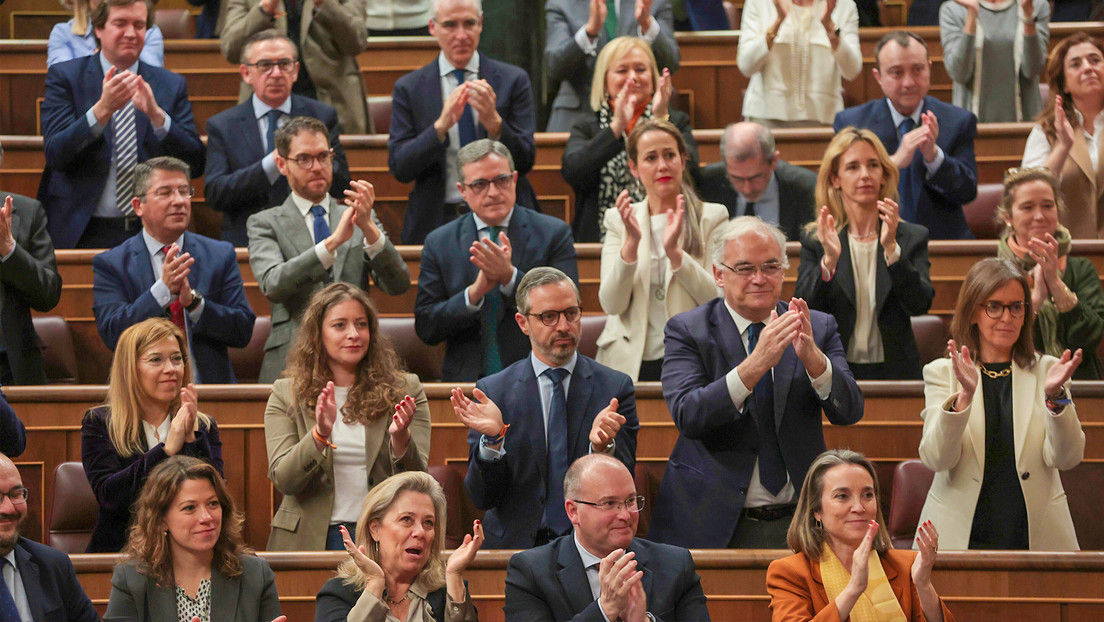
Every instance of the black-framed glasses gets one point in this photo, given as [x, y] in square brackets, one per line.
[165, 192]
[502, 182]
[771, 269]
[307, 160]
[632, 504]
[17, 495]
[995, 310]
[265, 66]
[551, 318]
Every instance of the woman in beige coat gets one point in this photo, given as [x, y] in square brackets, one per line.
[344, 418]
[654, 257]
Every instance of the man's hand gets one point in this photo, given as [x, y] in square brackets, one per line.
[7, 242]
[482, 416]
[636, 610]
[344, 230]
[361, 196]
[119, 87]
[607, 424]
[185, 296]
[481, 96]
[918, 138]
[777, 335]
[643, 15]
[145, 101]
[494, 259]
[804, 344]
[269, 6]
[929, 148]
[451, 111]
[617, 574]
[597, 18]
[175, 269]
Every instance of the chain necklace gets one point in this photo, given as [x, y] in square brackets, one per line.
[399, 601]
[995, 374]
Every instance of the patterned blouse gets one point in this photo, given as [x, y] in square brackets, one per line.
[188, 608]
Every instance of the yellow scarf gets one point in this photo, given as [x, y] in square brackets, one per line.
[877, 604]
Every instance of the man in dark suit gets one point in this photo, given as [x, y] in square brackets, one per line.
[242, 178]
[102, 114]
[170, 272]
[471, 267]
[753, 181]
[931, 142]
[532, 419]
[45, 588]
[589, 575]
[746, 377]
[13, 434]
[434, 113]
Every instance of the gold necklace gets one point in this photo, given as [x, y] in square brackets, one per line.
[994, 374]
[399, 601]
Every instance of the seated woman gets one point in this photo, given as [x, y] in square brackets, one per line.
[983, 430]
[76, 38]
[185, 559]
[1065, 293]
[670, 230]
[150, 414]
[627, 87]
[1066, 136]
[844, 566]
[862, 263]
[324, 462]
[396, 573]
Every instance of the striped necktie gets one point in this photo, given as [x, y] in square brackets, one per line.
[8, 611]
[126, 157]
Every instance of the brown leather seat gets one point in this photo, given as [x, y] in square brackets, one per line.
[247, 361]
[981, 213]
[453, 483]
[931, 337]
[58, 357]
[418, 357]
[647, 476]
[74, 509]
[592, 328]
[911, 482]
[175, 23]
[379, 113]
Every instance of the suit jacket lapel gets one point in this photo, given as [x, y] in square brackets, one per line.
[572, 575]
[732, 346]
[882, 283]
[845, 271]
[884, 118]
[254, 142]
[1024, 385]
[342, 251]
[141, 262]
[578, 402]
[626, 25]
[642, 564]
[162, 600]
[224, 596]
[784, 373]
[292, 223]
[530, 395]
[1080, 155]
[976, 423]
[32, 582]
[468, 235]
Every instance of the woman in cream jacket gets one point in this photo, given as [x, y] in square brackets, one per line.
[654, 257]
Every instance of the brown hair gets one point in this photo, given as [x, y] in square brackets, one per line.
[1055, 74]
[829, 166]
[380, 381]
[293, 128]
[984, 278]
[1016, 177]
[691, 241]
[103, 9]
[149, 543]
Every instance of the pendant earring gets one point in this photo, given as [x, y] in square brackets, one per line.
[818, 524]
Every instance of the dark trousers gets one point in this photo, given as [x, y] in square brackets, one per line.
[754, 532]
[109, 232]
[334, 541]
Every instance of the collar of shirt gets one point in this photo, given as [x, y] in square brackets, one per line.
[154, 247]
[742, 323]
[304, 206]
[898, 117]
[505, 224]
[260, 108]
[446, 68]
[11, 558]
[589, 559]
[1098, 122]
[156, 432]
[105, 64]
[539, 366]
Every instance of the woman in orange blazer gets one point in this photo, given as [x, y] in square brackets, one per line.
[843, 567]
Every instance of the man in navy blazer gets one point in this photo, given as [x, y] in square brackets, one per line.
[242, 178]
[45, 588]
[196, 278]
[78, 187]
[931, 142]
[432, 111]
[556, 581]
[520, 446]
[749, 424]
[469, 271]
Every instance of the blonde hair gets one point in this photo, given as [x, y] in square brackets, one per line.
[1016, 177]
[829, 167]
[82, 12]
[613, 51]
[691, 241]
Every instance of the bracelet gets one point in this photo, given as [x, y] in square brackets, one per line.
[497, 438]
[318, 437]
[771, 34]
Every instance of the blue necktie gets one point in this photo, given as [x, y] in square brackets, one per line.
[321, 227]
[772, 468]
[270, 136]
[906, 187]
[555, 517]
[8, 610]
[466, 124]
[492, 307]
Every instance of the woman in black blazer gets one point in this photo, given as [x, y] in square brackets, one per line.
[861, 263]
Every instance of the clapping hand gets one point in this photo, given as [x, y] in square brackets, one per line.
[927, 538]
[182, 427]
[965, 372]
[1062, 125]
[662, 99]
[483, 415]
[889, 215]
[633, 234]
[459, 561]
[829, 239]
[399, 430]
[372, 572]
[325, 410]
[617, 574]
[1060, 373]
[672, 232]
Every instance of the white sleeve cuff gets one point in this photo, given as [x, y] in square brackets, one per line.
[325, 256]
[585, 44]
[737, 390]
[822, 384]
[161, 293]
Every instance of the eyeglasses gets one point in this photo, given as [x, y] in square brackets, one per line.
[450, 25]
[165, 192]
[158, 361]
[502, 182]
[995, 310]
[551, 318]
[307, 160]
[632, 504]
[265, 66]
[754, 179]
[770, 270]
[17, 495]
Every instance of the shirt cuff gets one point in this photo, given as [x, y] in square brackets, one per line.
[608, 450]
[198, 311]
[163, 131]
[822, 384]
[585, 44]
[375, 248]
[937, 162]
[825, 275]
[268, 164]
[324, 255]
[652, 34]
[737, 390]
[891, 258]
[468, 303]
[489, 454]
[97, 129]
[12, 252]
[604, 616]
[161, 293]
[508, 289]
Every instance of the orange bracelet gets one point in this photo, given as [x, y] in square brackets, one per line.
[318, 437]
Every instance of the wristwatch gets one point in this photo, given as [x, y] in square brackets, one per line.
[196, 299]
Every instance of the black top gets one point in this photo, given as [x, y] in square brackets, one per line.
[1000, 519]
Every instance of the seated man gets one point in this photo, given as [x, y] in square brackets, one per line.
[471, 266]
[39, 583]
[753, 181]
[101, 116]
[13, 434]
[601, 572]
[168, 271]
[242, 178]
[559, 405]
[311, 240]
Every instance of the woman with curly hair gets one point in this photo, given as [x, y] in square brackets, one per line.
[324, 464]
[185, 559]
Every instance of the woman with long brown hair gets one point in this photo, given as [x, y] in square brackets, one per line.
[344, 417]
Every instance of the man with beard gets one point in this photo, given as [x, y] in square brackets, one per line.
[533, 419]
[39, 583]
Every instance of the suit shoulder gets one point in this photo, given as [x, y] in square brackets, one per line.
[545, 221]
[111, 256]
[20, 201]
[607, 374]
[669, 552]
[505, 376]
[253, 565]
[160, 74]
[913, 230]
[532, 558]
[264, 216]
[221, 118]
[214, 246]
[45, 554]
[410, 80]
[791, 565]
[792, 172]
[697, 314]
[444, 234]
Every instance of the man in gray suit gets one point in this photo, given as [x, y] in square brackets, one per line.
[311, 240]
[577, 30]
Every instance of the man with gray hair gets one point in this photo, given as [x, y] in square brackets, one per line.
[532, 419]
[746, 377]
[753, 181]
[471, 267]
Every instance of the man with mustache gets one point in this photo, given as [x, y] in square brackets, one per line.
[39, 583]
[530, 421]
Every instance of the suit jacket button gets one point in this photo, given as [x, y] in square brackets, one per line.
[371, 483]
[1025, 475]
[743, 491]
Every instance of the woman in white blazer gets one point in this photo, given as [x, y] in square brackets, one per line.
[999, 424]
[654, 256]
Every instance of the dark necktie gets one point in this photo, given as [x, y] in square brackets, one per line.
[907, 186]
[126, 157]
[772, 468]
[466, 124]
[555, 517]
[176, 309]
[611, 19]
[273, 118]
[749, 209]
[492, 308]
[8, 610]
[321, 227]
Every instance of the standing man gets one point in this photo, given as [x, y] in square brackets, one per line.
[746, 377]
[534, 418]
[460, 97]
[329, 33]
[311, 240]
[471, 267]
[577, 31]
[753, 181]
[932, 142]
[242, 178]
[101, 116]
[168, 271]
[601, 571]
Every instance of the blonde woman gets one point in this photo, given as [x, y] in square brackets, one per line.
[76, 37]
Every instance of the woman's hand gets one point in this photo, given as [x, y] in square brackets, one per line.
[970, 5]
[459, 560]
[189, 401]
[624, 107]
[828, 238]
[325, 411]
[182, 427]
[662, 98]
[632, 228]
[966, 373]
[783, 9]
[1062, 125]
[1060, 373]
[860, 571]
[928, 539]
[1039, 291]
[1045, 253]
[373, 574]
[826, 17]
[400, 426]
[888, 214]
[672, 232]
[1028, 7]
